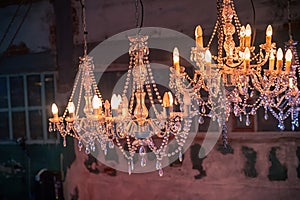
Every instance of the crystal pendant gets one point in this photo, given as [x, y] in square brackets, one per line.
[203, 110]
[50, 127]
[65, 142]
[105, 151]
[241, 118]
[87, 150]
[80, 145]
[160, 172]
[142, 151]
[180, 156]
[158, 165]
[266, 116]
[129, 169]
[143, 162]
[132, 165]
[200, 120]
[111, 144]
[248, 122]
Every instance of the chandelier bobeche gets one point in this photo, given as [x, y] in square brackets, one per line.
[251, 78]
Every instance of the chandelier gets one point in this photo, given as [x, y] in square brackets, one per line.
[250, 77]
[125, 121]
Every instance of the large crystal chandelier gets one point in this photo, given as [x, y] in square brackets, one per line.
[253, 77]
[125, 122]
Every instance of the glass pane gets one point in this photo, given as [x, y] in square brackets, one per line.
[34, 90]
[49, 89]
[4, 128]
[19, 127]
[36, 125]
[17, 91]
[3, 93]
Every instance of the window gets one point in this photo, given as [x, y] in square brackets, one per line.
[24, 107]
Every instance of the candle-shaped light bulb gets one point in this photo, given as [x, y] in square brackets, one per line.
[279, 57]
[96, 102]
[199, 36]
[54, 111]
[248, 35]
[166, 100]
[124, 106]
[170, 98]
[247, 57]
[114, 102]
[176, 59]
[288, 60]
[269, 33]
[207, 57]
[271, 61]
[71, 109]
[242, 36]
[247, 53]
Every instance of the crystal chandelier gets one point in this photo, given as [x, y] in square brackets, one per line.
[125, 121]
[252, 77]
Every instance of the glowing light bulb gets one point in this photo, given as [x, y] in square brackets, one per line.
[247, 53]
[54, 109]
[288, 55]
[288, 60]
[170, 98]
[207, 57]
[279, 54]
[114, 102]
[199, 36]
[279, 60]
[269, 31]
[248, 30]
[242, 31]
[248, 36]
[176, 59]
[96, 102]
[71, 107]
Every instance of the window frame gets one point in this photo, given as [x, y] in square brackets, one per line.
[26, 108]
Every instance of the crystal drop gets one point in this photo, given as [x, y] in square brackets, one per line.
[87, 150]
[247, 121]
[79, 145]
[253, 112]
[129, 169]
[105, 151]
[201, 120]
[293, 127]
[251, 93]
[65, 142]
[241, 118]
[143, 162]
[132, 165]
[180, 156]
[50, 127]
[111, 144]
[142, 151]
[203, 110]
[158, 165]
[266, 116]
[160, 172]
